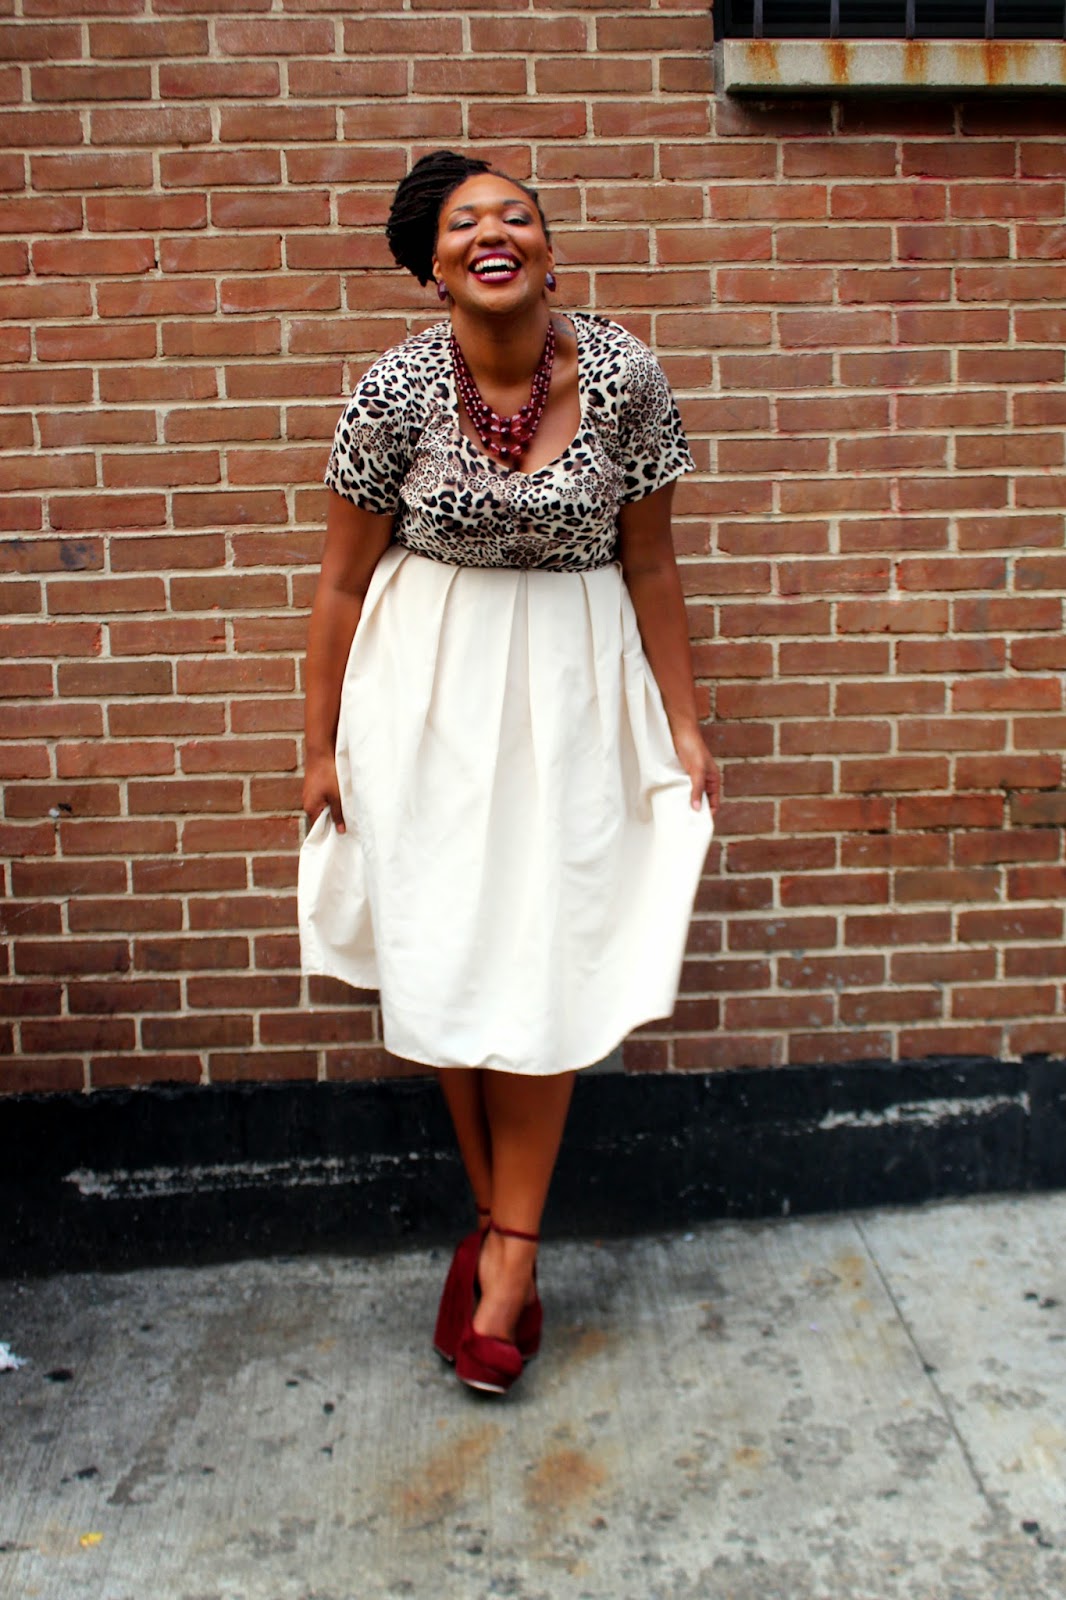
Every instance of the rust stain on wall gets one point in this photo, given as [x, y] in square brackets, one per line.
[762, 54]
[838, 57]
[916, 60]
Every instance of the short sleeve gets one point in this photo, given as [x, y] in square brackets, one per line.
[653, 449]
[372, 444]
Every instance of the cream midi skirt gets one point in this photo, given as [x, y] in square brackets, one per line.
[521, 856]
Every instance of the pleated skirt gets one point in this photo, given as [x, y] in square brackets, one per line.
[521, 857]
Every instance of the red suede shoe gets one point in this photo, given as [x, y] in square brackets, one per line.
[457, 1299]
[530, 1324]
[491, 1365]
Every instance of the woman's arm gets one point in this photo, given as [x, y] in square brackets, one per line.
[651, 576]
[356, 540]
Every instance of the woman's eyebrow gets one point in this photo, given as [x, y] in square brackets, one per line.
[502, 204]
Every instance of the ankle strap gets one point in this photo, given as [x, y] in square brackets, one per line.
[513, 1233]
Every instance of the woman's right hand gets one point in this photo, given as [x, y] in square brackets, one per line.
[322, 790]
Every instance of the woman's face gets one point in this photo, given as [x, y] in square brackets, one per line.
[491, 254]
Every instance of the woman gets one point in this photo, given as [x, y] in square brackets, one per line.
[509, 793]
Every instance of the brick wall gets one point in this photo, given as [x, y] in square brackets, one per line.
[862, 307]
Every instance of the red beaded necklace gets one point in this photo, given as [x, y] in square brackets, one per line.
[506, 437]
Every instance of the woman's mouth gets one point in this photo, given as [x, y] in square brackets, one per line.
[495, 269]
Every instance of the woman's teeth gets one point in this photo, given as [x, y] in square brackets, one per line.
[495, 267]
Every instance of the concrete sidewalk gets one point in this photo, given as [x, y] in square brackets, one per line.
[868, 1406]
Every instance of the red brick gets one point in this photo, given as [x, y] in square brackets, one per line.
[228, 509]
[151, 126]
[943, 966]
[222, 338]
[127, 1071]
[1008, 772]
[338, 80]
[835, 889]
[125, 996]
[197, 954]
[207, 169]
[729, 1051]
[592, 73]
[918, 1043]
[263, 124]
[97, 343]
[23, 42]
[221, 80]
[1036, 844]
[114, 759]
[83, 171]
[125, 915]
[264, 1066]
[96, 427]
[890, 774]
[823, 1048]
[829, 972]
[894, 1005]
[104, 679]
[872, 285]
[71, 84]
[36, 1075]
[186, 796]
[898, 928]
[171, 382]
[220, 994]
[42, 639]
[991, 1000]
[406, 36]
[1041, 961]
[276, 37]
[221, 254]
[1015, 923]
[782, 933]
[110, 40]
[96, 595]
[170, 720]
[1038, 1038]
[71, 956]
[154, 300]
[316, 1027]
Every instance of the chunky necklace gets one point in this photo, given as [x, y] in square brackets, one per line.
[506, 437]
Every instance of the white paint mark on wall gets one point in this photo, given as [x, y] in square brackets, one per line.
[298, 1172]
[927, 1113]
[9, 1361]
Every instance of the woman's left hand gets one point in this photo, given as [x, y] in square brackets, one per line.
[700, 765]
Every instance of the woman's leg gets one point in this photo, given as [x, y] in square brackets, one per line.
[461, 1088]
[526, 1117]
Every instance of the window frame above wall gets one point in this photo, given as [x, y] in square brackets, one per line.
[776, 46]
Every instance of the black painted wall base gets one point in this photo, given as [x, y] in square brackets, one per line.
[124, 1178]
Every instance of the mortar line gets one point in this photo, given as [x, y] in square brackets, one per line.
[930, 1372]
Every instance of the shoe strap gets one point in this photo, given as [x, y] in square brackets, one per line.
[513, 1233]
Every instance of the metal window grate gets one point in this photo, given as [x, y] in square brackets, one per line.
[894, 19]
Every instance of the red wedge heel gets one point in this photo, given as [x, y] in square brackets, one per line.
[457, 1297]
[493, 1365]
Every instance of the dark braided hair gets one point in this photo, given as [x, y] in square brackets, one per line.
[416, 206]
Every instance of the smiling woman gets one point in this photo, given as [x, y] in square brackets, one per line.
[509, 793]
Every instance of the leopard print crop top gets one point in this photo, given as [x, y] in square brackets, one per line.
[399, 448]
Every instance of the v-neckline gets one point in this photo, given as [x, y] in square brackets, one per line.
[483, 455]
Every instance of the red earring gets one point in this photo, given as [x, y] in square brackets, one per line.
[442, 292]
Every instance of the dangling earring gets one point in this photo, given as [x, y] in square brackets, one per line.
[549, 280]
[442, 292]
